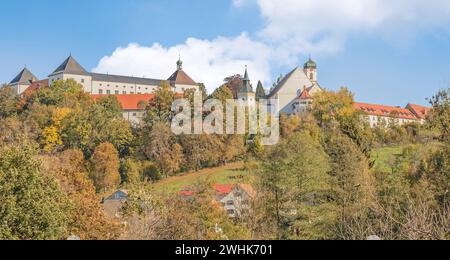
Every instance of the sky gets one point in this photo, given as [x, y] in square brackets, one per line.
[386, 52]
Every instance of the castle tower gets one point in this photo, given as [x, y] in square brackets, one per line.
[22, 81]
[246, 93]
[310, 69]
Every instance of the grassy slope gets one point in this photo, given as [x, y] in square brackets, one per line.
[229, 174]
[383, 155]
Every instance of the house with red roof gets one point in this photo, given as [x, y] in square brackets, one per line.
[235, 199]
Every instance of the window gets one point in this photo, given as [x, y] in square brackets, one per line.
[82, 80]
[230, 203]
[132, 92]
[117, 86]
[311, 76]
[117, 92]
[100, 91]
[139, 93]
[108, 92]
[134, 114]
[124, 92]
[101, 85]
[230, 212]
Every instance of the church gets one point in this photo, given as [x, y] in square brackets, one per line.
[294, 94]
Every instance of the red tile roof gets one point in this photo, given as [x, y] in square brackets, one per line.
[223, 190]
[129, 101]
[35, 86]
[186, 193]
[387, 111]
[420, 111]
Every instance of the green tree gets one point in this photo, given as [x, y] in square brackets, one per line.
[260, 92]
[8, 101]
[294, 186]
[352, 185]
[335, 110]
[32, 207]
[439, 117]
[160, 107]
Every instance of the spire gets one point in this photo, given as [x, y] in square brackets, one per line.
[247, 87]
[179, 63]
[246, 78]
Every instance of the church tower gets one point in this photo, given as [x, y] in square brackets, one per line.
[246, 93]
[310, 69]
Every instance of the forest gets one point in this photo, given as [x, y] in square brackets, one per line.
[61, 153]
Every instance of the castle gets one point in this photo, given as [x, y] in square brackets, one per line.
[105, 84]
[293, 93]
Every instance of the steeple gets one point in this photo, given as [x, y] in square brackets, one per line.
[247, 87]
[179, 64]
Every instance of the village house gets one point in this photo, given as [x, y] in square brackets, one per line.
[113, 203]
[234, 199]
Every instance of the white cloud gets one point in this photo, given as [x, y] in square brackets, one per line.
[322, 26]
[292, 28]
[205, 61]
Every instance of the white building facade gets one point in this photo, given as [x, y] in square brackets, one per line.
[106, 84]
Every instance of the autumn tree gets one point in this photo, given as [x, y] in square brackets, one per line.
[104, 169]
[161, 147]
[87, 218]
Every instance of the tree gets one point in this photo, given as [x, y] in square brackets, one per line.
[335, 110]
[160, 107]
[131, 170]
[260, 92]
[87, 218]
[294, 186]
[8, 101]
[104, 170]
[201, 150]
[439, 117]
[32, 207]
[60, 93]
[351, 184]
[223, 93]
[161, 147]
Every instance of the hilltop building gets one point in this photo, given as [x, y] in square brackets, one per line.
[300, 82]
[294, 94]
[246, 93]
[106, 84]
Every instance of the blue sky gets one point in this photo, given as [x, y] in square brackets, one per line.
[380, 58]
